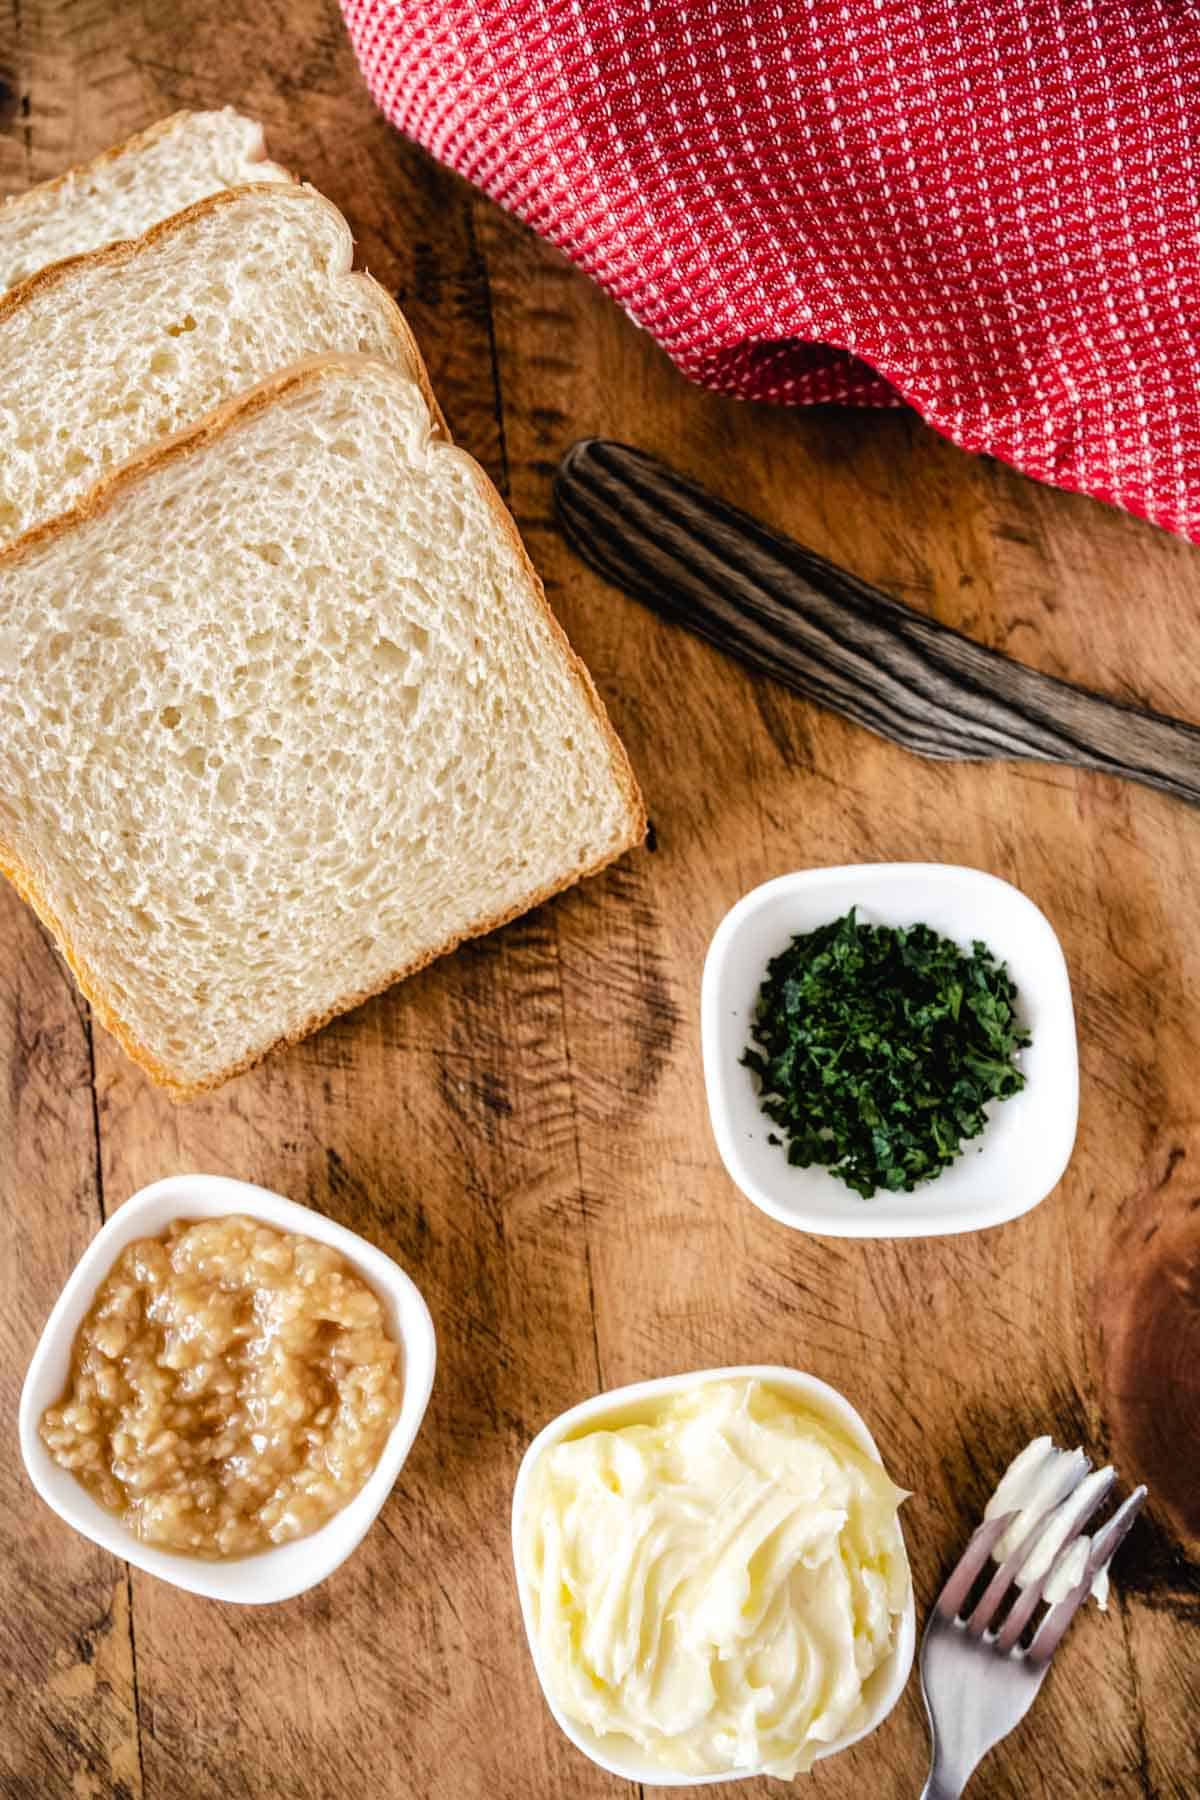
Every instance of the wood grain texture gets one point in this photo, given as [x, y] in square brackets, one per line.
[523, 1126]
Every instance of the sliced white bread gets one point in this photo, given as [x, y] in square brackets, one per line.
[129, 188]
[102, 355]
[283, 716]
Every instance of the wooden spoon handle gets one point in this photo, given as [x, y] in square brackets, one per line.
[840, 642]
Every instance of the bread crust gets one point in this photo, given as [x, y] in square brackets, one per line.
[301, 377]
[141, 140]
[126, 250]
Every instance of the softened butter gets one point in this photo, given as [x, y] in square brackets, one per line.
[715, 1577]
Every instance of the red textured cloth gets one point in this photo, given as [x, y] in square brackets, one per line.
[986, 208]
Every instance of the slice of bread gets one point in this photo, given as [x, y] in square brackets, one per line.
[283, 716]
[104, 354]
[129, 188]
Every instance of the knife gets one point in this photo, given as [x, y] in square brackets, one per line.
[789, 613]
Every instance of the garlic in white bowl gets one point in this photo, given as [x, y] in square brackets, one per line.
[288, 1567]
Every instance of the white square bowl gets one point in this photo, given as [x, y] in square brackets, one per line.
[1021, 1154]
[290, 1569]
[619, 1754]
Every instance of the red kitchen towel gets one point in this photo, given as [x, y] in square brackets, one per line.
[985, 208]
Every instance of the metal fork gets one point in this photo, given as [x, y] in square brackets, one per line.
[977, 1680]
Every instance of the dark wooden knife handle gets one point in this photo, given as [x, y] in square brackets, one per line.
[789, 613]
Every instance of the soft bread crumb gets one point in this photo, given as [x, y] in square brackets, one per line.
[105, 355]
[282, 715]
[129, 188]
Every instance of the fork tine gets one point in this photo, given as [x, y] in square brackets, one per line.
[1006, 1574]
[983, 1541]
[1023, 1610]
[1053, 1627]
[1071, 1473]
[1106, 1543]
[1029, 1601]
[1027, 1605]
[1104, 1548]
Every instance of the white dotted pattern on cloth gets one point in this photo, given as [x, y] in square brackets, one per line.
[985, 210]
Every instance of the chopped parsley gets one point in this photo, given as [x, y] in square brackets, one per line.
[877, 1050]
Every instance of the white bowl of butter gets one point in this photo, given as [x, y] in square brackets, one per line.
[692, 1555]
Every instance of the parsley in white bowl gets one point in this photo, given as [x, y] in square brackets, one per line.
[1026, 1141]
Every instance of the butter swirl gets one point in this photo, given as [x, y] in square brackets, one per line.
[714, 1577]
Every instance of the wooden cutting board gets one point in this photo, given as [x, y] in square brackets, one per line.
[523, 1126]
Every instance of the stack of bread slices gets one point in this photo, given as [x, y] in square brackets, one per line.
[283, 712]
